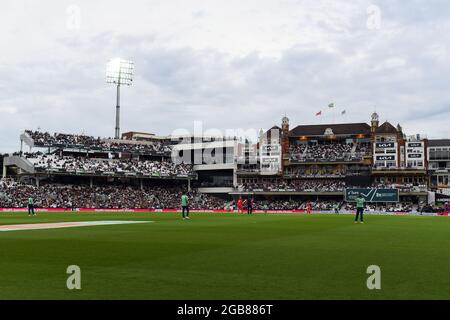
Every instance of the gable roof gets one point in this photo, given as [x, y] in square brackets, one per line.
[386, 128]
[338, 129]
[274, 129]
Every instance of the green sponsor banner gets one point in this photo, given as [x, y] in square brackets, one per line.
[373, 195]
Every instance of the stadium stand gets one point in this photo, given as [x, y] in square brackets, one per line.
[305, 185]
[69, 164]
[61, 140]
[310, 165]
[14, 195]
[328, 152]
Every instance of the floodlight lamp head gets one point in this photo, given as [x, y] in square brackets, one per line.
[120, 72]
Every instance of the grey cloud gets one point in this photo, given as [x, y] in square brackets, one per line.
[402, 69]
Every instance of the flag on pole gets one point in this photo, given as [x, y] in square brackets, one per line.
[319, 113]
[331, 105]
[343, 112]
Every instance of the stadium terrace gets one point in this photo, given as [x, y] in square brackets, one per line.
[286, 169]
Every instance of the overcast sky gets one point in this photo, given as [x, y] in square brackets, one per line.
[231, 64]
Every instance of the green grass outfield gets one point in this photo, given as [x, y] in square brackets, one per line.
[226, 256]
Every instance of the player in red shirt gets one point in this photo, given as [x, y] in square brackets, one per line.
[240, 205]
[308, 208]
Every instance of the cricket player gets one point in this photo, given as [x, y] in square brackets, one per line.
[360, 204]
[336, 208]
[185, 206]
[30, 206]
[250, 203]
[308, 208]
[240, 205]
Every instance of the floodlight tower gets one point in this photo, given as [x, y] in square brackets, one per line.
[119, 72]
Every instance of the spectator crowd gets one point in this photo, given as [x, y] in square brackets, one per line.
[45, 139]
[54, 162]
[297, 205]
[15, 195]
[328, 152]
[406, 187]
[315, 171]
[320, 185]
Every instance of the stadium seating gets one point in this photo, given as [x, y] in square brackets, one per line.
[45, 139]
[328, 152]
[15, 195]
[331, 185]
[76, 156]
[53, 162]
